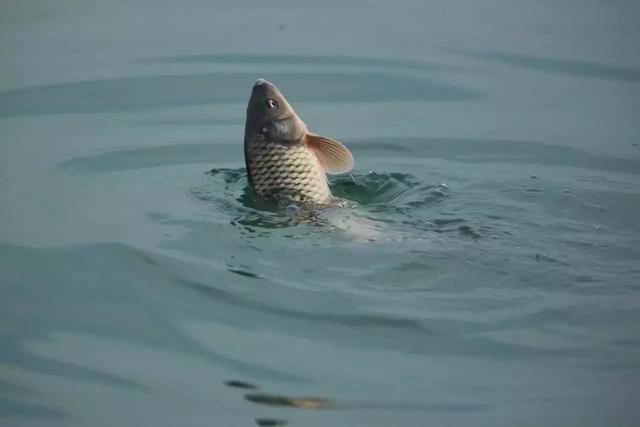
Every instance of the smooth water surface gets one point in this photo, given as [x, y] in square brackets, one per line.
[489, 274]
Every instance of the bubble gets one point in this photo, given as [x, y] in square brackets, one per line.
[293, 210]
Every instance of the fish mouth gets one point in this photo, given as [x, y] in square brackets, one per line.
[262, 83]
[264, 86]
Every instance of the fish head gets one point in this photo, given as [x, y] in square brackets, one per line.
[270, 116]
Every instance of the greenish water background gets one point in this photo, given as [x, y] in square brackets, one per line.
[490, 275]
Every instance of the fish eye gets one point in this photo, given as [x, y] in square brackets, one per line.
[271, 104]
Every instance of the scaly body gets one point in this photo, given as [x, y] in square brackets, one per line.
[284, 160]
[290, 170]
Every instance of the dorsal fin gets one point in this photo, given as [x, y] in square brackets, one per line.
[334, 157]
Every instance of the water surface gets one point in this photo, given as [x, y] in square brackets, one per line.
[489, 274]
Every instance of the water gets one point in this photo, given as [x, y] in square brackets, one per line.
[489, 274]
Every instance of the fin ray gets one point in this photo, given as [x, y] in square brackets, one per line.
[334, 157]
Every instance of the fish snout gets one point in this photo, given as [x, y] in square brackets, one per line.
[262, 83]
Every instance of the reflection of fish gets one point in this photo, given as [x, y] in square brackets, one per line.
[285, 160]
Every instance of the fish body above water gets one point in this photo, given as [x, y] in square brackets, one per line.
[284, 160]
[289, 171]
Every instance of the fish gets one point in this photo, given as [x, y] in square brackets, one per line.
[284, 160]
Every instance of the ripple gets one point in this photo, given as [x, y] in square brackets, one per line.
[229, 190]
[307, 60]
[372, 188]
[475, 150]
[170, 91]
[348, 320]
[150, 157]
[555, 65]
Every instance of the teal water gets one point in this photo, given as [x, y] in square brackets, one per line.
[489, 274]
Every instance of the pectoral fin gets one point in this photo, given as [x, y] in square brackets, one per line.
[334, 157]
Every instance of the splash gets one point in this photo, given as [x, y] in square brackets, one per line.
[367, 206]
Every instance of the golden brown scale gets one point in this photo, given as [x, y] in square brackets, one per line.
[290, 170]
[284, 160]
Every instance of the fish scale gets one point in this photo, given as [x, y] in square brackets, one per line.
[290, 169]
[284, 160]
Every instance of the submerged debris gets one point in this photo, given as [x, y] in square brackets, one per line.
[240, 384]
[296, 402]
[271, 422]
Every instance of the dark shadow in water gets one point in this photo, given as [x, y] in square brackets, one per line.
[555, 65]
[342, 61]
[153, 92]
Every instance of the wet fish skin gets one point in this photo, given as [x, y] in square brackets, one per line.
[284, 160]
